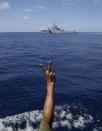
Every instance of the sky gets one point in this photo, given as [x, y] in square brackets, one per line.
[33, 15]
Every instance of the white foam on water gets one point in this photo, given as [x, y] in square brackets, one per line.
[63, 118]
[97, 129]
[8, 123]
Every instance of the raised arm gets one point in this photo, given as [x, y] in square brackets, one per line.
[48, 111]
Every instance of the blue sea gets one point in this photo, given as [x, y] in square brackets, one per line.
[77, 60]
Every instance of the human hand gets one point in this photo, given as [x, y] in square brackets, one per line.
[49, 74]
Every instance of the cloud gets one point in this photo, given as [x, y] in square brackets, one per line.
[29, 10]
[26, 17]
[4, 5]
[70, 2]
[38, 7]
[75, 2]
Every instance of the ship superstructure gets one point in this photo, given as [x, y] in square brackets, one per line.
[53, 29]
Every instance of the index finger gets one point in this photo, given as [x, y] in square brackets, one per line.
[43, 68]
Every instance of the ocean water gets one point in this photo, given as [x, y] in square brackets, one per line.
[77, 60]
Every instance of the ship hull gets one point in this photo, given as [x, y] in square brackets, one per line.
[53, 31]
[58, 32]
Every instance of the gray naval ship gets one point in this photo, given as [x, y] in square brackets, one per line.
[56, 29]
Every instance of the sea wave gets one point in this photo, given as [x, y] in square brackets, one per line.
[64, 118]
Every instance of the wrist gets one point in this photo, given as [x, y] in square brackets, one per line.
[50, 89]
[50, 84]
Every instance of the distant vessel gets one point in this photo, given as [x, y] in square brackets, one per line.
[56, 29]
[53, 29]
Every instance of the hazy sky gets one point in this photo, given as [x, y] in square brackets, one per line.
[32, 15]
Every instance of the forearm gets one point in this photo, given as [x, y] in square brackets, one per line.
[49, 105]
[48, 111]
